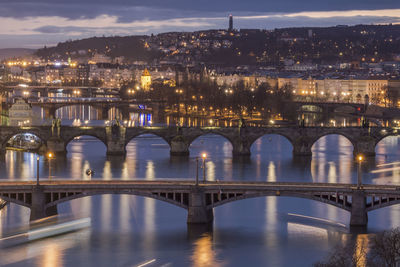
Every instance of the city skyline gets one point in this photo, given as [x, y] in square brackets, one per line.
[30, 24]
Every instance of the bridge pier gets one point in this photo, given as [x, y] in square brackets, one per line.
[38, 207]
[116, 140]
[241, 148]
[179, 146]
[116, 147]
[56, 145]
[50, 112]
[302, 147]
[158, 113]
[365, 146]
[197, 209]
[359, 215]
[103, 113]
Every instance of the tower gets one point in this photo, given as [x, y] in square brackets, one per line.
[230, 23]
[145, 80]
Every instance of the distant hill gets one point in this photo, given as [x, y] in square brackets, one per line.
[15, 52]
[325, 45]
[131, 47]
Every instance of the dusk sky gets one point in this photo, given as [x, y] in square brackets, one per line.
[35, 23]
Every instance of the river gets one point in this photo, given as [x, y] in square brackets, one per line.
[130, 231]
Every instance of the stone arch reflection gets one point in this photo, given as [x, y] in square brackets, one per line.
[146, 146]
[332, 157]
[272, 144]
[214, 145]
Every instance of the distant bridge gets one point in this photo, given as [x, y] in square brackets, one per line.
[329, 107]
[103, 105]
[199, 200]
[116, 138]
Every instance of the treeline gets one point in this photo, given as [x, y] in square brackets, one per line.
[130, 47]
[207, 97]
[381, 250]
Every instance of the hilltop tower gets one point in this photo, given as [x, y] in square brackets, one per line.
[230, 23]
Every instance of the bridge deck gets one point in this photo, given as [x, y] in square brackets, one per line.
[188, 184]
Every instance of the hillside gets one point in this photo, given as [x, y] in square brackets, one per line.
[131, 47]
[369, 43]
[6, 53]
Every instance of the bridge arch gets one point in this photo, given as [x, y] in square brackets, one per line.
[195, 139]
[339, 202]
[144, 133]
[177, 199]
[59, 110]
[73, 137]
[154, 141]
[311, 108]
[286, 139]
[330, 133]
[8, 137]
[346, 109]
[386, 140]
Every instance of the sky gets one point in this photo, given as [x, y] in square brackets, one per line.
[35, 23]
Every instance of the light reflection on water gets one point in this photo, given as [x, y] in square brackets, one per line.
[261, 228]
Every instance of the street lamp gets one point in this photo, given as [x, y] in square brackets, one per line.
[360, 159]
[50, 156]
[204, 156]
[37, 170]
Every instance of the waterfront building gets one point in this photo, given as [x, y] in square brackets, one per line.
[20, 113]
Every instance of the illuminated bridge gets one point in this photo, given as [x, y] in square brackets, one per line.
[51, 104]
[116, 138]
[199, 200]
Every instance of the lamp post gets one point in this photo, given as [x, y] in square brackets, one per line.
[204, 156]
[37, 170]
[50, 157]
[360, 159]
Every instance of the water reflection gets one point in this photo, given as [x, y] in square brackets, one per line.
[148, 227]
[203, 252]
[52, 256]
[361, 249]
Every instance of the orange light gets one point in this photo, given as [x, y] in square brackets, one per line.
[50, 155]
[360, 158]
[204, 155]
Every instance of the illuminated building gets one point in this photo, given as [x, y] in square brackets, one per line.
[230, 23]
[145, 80]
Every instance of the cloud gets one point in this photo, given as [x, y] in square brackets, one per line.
[162, 9]
[27, 31]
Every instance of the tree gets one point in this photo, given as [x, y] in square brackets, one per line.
[383, 251]
[351, 255]
[391, 96]
[385, 248]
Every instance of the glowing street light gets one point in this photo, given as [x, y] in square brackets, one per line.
[360, 159]
[37, 170]
[50, 156]
[204, 156]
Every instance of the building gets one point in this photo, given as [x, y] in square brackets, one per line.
[100, 58]
[145, 80]
[20, 113]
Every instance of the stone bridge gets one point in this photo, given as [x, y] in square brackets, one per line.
[200, 199]
[103, 106]
[179, 139]
[330, 107]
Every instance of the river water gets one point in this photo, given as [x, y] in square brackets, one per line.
[130, 231]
